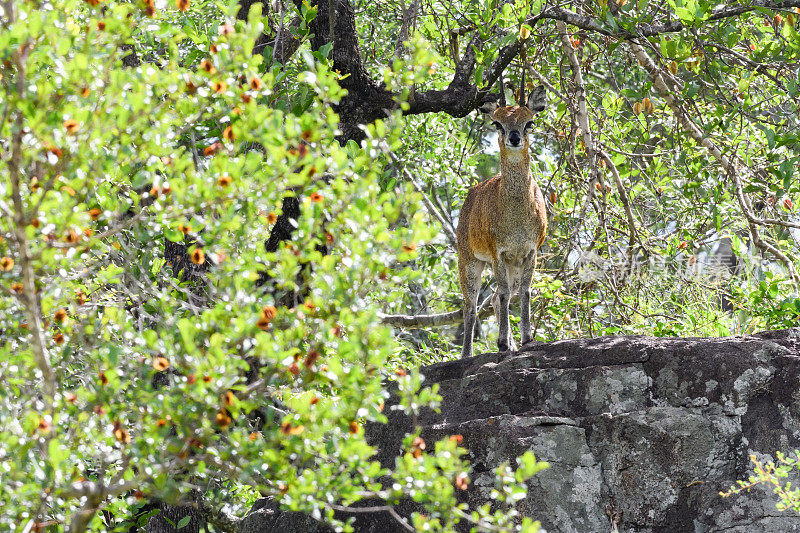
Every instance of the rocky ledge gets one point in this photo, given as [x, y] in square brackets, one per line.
[644, 430]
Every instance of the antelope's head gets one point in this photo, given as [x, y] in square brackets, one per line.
[514, 122]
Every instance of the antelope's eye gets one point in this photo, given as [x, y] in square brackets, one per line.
[498, 126]
[528, 125]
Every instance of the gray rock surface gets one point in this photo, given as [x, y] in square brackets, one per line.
[652, 428]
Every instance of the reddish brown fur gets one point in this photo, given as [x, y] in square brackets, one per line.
[482, 211]
[503, 222]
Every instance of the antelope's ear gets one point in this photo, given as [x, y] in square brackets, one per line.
[537, 100]
[488, 108]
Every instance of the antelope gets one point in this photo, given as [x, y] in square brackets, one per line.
[503, 222]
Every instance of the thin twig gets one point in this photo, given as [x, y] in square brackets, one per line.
[632, 154]
[626, 204]
[108, 233]
[277, 43]
[447, 225]
[409, 16]
[377, 509]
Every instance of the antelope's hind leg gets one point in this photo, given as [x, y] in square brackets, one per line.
[470, 277]
[525, 298]
[500, 301]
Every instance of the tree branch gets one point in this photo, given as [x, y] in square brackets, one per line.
[95, 493]
[374, 509]
[582, 117]
[277, 41]
[29, 299]
[626, 204]
[649, 30]
[441, 319]
[368, 101]
[697, 134]
[409, 16]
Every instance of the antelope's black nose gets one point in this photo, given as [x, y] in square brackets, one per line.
[514, 138]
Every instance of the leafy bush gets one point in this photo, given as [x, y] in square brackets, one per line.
[141, 358]
[774, 474]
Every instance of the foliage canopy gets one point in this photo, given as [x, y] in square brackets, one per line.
[151, 345]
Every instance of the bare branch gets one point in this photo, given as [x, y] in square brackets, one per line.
[758, 67]
[409, 16]
[422, 321]
[583, 120]
[626, 204]
[438, 320]
[550, 87]
[375, 509]
[580, 92]
[284, 5]
[95, 493]
[632, 154]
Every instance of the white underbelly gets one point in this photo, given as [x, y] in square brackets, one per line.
[483, 257]
[516, 254]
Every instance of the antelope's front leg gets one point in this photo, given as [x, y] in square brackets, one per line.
[525, 298]
[501, 298]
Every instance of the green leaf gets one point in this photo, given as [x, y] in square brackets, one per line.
[786, 170]
[57, 452]
[770, 133]
[173, 234]
[669, 47]
[325, 50]
[686, 15]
